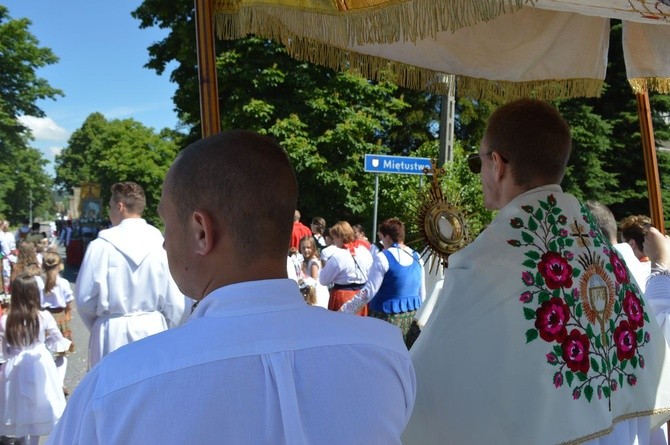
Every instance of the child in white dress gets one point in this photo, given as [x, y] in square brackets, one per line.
[30, 388]
[57, 299]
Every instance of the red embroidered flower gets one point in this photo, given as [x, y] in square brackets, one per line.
[516, 223]
[514, 242]
[527, 278]
[525, 297]
[632, 380]
[619, 268]
[625, 341]
[633, 308]
[576, 351]
[551, 358]
[562, 219]
[558, 379]
[551, 200]
[551, 318]
[555, 270]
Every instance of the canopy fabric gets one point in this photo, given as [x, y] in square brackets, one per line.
[504, 49]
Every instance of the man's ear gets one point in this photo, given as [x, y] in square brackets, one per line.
[500, 167]
[203, 232]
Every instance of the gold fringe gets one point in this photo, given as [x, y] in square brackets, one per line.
[376, 68]
[366, 22]
[657, 84]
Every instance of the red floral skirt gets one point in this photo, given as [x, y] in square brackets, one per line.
[340, 296]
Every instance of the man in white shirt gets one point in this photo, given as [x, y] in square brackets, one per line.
[124, 290]
[539, 336]
[254, 363]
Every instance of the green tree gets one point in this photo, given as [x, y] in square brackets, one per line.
[22, 168]
[108, 151]
[326, 120]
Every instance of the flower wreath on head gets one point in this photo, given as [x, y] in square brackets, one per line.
[580, 300]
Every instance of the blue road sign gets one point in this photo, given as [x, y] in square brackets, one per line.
[396, 164]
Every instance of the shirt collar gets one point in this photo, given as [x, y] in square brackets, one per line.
[251, 297]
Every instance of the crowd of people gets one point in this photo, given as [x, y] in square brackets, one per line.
[241, 324]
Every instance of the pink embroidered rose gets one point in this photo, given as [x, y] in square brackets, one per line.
[551, 319]
[633, 308]
[558, 379]
[527, 278]
[525, 297]
[551, 358]
[619, 268]
[555, 270]
[576, 393]
[563, 233]
[576, 351]
[625, 341]
[641, 361]
[632, 380]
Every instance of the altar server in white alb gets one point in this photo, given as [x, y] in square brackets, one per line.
[124, 289]
[540, 335]
[254, 363]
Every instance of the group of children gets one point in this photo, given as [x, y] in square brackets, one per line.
[35, 337]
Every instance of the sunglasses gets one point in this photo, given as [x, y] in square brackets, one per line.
[475, 161]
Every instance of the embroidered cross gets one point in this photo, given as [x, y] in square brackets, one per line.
[578, 232]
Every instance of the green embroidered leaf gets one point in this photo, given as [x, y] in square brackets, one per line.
[544, 205]
[582, 376]
[532, 224]
[624, 364]
[531, 334]
[533, 255]
[599, 344]
[539, 280]
[569, 377]
[603, 364]
[539, 214]
[527, 237]
[588, 392]
[578, 313]
[528, 313]
[612, 327]
[589, 331]
[530, 264]
[576, 272]
[617, 307]
[614, 359]
[553, 246]
[633, 361]
[596, 243]
[568, 298]
[640, 336]
[551, 219]
[561, 242]
[646, 317]
[608, 266]
[569, 242]
[620, 379]
[543, 296]
[594, 365]
[554, 230]
[558, 350]
[556, 211]
[606, 391]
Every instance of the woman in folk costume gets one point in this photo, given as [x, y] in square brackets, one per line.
[56, 299]
[346, 271]
[396, 285]
[30, 388]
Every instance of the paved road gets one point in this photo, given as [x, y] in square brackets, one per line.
[77, 361]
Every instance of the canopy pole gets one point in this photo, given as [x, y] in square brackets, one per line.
[210, 119]
[650, 161]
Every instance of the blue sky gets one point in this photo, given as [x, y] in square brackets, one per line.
[102, 54]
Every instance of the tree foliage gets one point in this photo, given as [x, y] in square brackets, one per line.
[22, 170]
[108, 151]
[327, 121]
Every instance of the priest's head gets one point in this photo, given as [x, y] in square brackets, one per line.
[526, 145]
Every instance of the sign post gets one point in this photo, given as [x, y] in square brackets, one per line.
[392, 164]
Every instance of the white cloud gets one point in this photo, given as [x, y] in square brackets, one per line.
[54, 151]
[44, 128]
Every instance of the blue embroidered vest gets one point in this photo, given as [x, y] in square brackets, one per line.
[399, 291]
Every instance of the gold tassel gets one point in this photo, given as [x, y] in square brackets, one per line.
[363, 21]
[657, 84]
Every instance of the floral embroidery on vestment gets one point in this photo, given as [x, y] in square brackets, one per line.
[579, 298]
